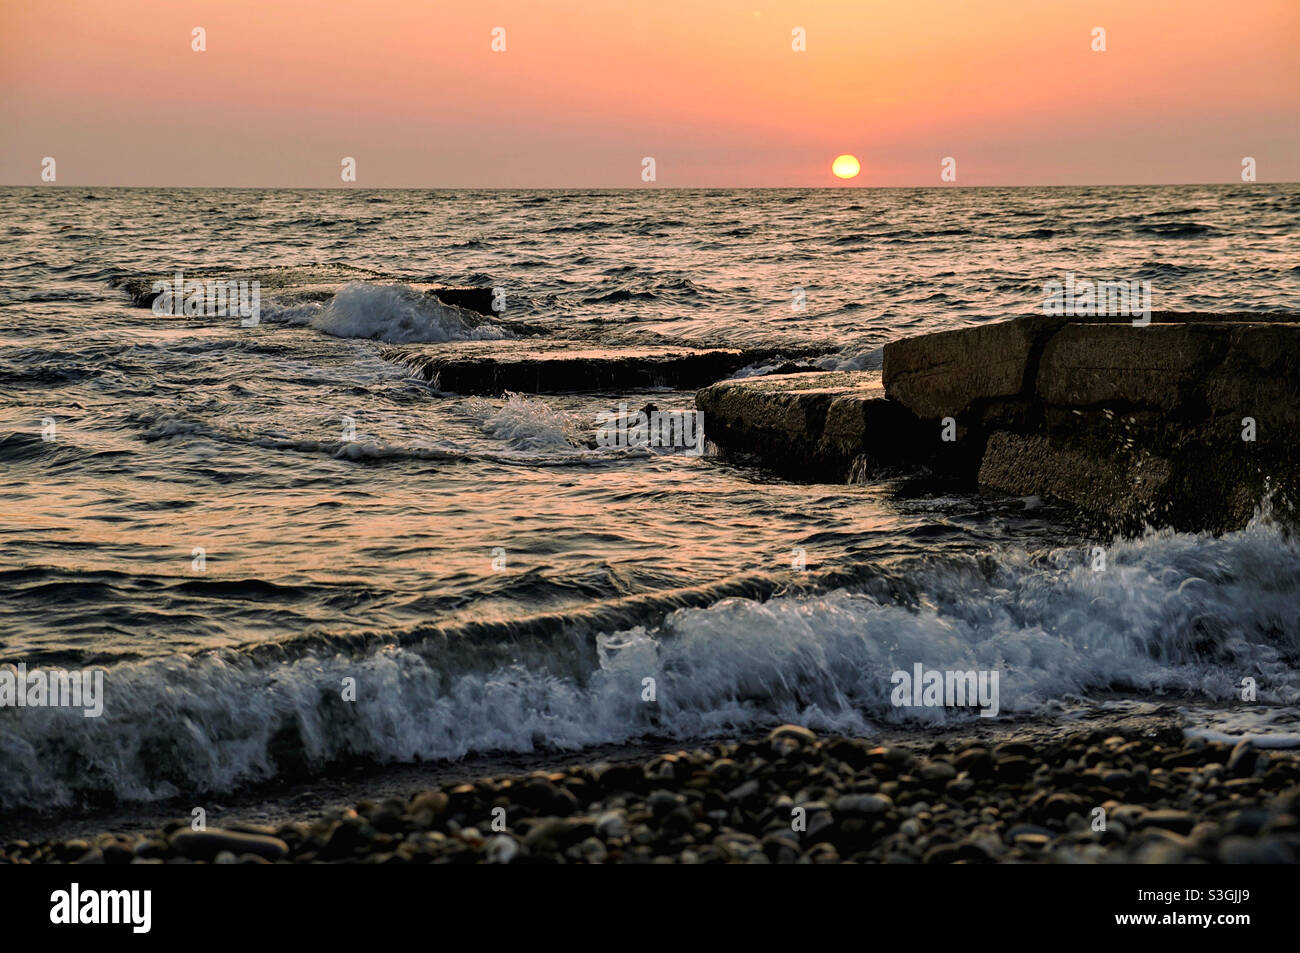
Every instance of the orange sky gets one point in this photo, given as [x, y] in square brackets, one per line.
[586, 88]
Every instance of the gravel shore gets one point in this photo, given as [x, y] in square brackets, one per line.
[794, 797]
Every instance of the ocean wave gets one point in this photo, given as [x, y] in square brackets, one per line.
[620, 295]
[527, 423]
[1187, 616]
[533, 434]
[49, 374]
[53, 456]
[671, 287]
[586, 226]
[1176, 229]
[282, 281]
[361, 450]
[397, 314]
[1169, 269]
[865, 358]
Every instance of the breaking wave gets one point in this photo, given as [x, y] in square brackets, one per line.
[527, 423]
[1172, 615]
[396, 314]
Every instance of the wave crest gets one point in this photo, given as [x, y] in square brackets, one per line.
[397, 314]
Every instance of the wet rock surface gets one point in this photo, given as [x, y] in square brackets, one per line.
[808, 425]
[538, 365]
[1185, 422]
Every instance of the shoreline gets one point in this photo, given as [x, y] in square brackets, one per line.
[1017, 791]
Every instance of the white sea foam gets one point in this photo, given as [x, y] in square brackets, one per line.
[526, 423]
[1264, 727]
[853, 359]
[396, 313]
[761, 369]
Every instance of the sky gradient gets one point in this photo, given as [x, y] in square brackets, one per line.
[712, 89]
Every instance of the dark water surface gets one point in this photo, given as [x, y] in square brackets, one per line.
[493, 581]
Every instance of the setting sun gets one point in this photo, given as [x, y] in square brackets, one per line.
[846, 167]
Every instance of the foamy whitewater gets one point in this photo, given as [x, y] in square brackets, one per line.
[232, 521]
[393, 313]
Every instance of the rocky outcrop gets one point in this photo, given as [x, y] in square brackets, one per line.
[808, 426]
[1190, 421]
[948, 373]
[478, 300]
[309, 284]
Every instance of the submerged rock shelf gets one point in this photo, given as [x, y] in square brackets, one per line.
[554, 366]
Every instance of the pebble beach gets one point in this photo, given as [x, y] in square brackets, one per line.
[1110, 794]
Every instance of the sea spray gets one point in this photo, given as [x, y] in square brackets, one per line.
[397, 314]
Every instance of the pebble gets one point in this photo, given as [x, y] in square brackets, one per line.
[863, 804]
[501, 849]
[1180, 822]
[1241, 763]
[792, 733]
[937, 771]
[206, 844]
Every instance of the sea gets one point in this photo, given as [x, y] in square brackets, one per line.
[286, 552]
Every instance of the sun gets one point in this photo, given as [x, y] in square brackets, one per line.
[846, 166]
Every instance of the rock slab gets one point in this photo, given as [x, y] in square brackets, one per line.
[538, 365]
[1189, 421]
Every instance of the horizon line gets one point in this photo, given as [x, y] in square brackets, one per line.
[652, 188]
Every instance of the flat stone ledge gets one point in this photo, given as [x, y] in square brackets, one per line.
[553, 366]
[812, 425]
